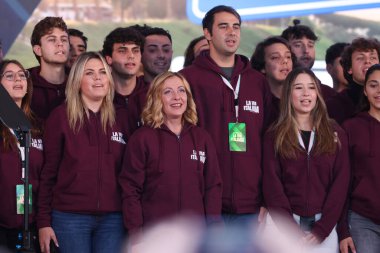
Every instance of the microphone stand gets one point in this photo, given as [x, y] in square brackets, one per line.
[13, 117]
[24, 138]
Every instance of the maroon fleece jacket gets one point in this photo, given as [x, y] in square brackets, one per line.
[123, 101]
[164, 175]
[10, 176]
[241, 171]
[363, 139]
[46, 96]
[307, 185]
[80, 170]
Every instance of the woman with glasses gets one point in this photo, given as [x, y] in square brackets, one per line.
[15, 79]
[170, 166]
[79, 204]
[360, 223]
[306, 165]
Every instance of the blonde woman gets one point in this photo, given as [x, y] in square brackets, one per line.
[170, 165]
[79, 199]
[306, 165]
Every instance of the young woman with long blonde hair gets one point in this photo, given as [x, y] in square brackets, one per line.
[79, 205]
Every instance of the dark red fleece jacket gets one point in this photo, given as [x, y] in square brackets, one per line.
[307, 185]
[80, 170]
[345, 105]
[10, 176]
[46, 96]
[363, 139]
[123, 101]
[241, 171]
[165, 175]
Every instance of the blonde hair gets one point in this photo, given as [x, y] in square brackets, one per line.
[285, 129]
[153, 114]
[74, 102]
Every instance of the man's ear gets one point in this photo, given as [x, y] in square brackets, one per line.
[37, 50]
[109, 60]
[207, 34]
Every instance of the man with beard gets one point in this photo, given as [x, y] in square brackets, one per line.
[50, 43]
[232, 100]
[302, 42]
[122, 49]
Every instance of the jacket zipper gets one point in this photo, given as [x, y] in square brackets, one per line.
[180, 175]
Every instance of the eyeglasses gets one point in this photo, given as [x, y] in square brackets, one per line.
[11, 76]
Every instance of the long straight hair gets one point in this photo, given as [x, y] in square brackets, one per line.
[9, 140]
[76, 108]
[286, 130]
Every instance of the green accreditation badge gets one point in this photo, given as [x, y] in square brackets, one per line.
[20, 198]
[237, 137]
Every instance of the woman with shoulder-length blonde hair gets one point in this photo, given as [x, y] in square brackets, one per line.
[306, 165]
[170, 165]
[79, 205]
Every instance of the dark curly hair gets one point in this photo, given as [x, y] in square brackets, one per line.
[122, 35]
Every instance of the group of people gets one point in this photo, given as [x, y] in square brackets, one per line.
[120, 143]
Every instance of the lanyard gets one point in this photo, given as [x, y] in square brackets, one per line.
[236, 94]
[311, 141]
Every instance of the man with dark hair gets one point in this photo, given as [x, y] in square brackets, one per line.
[50, 43]
[78, 45]
[158, 52]
[273, 58]
[333, 66]
[156, 59]
[231, 100]
[122, 49]
[302, 42]
[357, 57]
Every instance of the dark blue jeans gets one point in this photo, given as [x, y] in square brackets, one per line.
[83, 233]
[365, 233]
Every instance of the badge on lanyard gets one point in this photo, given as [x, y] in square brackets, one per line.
[20, 198]
[237, 137]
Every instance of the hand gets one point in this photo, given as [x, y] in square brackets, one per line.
[262, 215]
[45, 235]
[346, 244]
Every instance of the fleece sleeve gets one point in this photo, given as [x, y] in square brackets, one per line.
[274, 195]
[53, 140]
[213, 184]
[131, 179]
[337, 194]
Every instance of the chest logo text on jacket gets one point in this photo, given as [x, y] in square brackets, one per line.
[202, 156]
[118, 137]
[36, 143]
[251, 106]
